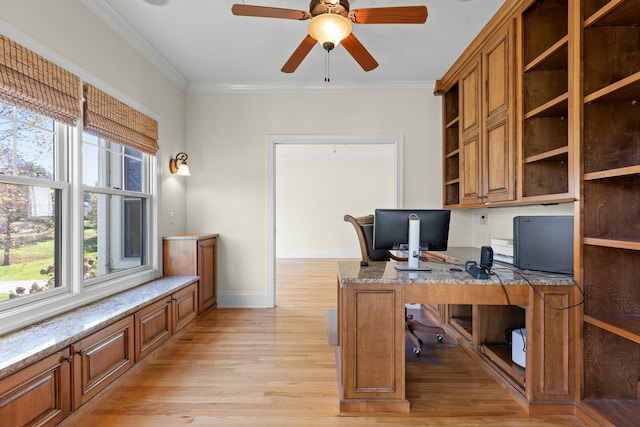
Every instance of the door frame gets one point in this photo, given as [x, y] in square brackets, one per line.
[396, 140]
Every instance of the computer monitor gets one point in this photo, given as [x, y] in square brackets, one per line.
[391, 229]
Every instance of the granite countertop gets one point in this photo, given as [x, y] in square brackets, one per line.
[191, 236]
[385, 273]
[23, 347]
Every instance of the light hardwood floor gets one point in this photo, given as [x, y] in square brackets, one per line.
[274, 367]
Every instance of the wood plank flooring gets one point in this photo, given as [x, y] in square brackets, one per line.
[274, 367]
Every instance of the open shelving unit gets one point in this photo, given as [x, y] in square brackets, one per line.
[545, 129]
[611, 206]
[451, 166]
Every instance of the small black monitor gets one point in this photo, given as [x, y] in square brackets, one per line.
[391, 229]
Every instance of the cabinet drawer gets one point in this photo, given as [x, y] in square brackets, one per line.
[39, 395]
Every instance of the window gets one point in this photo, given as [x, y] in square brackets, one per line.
[31, 187]
[116, 198]
[77, 196]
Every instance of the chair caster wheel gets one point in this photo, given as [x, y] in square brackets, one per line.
[440, 337]
[417, 350]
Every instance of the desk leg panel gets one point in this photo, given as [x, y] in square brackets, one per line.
[372, 347]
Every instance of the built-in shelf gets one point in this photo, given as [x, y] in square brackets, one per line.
[623, 325]
[554, 58]
[558, 106]
[613, 243]
[558, 153]
[612, 173]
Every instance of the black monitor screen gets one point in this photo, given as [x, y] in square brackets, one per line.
[391, 229]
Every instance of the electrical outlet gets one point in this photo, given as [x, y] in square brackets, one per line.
[484, 219]
[171, 217]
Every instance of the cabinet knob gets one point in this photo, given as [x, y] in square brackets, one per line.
[69, 358]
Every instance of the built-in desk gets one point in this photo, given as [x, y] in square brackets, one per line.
[371, 335]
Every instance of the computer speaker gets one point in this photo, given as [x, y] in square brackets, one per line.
[486, 257]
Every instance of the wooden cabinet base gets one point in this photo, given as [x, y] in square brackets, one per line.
[44, 388]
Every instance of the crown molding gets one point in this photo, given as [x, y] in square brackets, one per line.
[108, 15]
[307, 87]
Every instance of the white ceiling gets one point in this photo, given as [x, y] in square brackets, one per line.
[201, 45]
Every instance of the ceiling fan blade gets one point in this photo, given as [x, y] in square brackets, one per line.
[269, 12]
[359, 53]
[299, 54]
[390, 15]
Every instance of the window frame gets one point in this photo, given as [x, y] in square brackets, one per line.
[76, 292]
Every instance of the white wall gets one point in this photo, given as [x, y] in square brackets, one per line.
[227, 140]
[67, 33]
[317, 184]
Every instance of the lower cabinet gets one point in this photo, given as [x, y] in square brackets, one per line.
[185, 306]
[100, 359]
[39, 395]
[153, 327]
[47, 392]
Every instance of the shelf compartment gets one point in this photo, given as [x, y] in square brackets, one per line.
[611, 12]
[611, 366]
[452, 168]
[452, 193]
[543, 90]
[548, 176]
[556, 107]
[554, 58]
[544, 23]
[611, 136]
[451, 140]
[625, 325]
[544, 134]
[611, 208]
[603, 45]
[451, 105]
[611, 290]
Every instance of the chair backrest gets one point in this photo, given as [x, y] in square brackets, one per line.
[364, 229]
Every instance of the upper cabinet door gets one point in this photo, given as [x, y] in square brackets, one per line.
[470, 98]
[498, 141]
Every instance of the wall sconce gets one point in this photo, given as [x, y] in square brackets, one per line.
[178, 166]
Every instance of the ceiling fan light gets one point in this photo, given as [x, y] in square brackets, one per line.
[329, 29]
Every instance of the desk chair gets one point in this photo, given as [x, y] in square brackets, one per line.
[364, 229]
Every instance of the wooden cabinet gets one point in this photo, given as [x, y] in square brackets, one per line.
[610, 242]
[548, 129]
[184, 306]
[101, 358]
[154, 326]
[51, 388]
[478, 136]
[194, 255]
[39, 395]
[451, 147]
[157, 322]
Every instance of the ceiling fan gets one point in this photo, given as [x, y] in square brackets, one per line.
[330, 24]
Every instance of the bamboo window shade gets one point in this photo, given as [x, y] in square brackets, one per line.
[108, 118]
[27, 80]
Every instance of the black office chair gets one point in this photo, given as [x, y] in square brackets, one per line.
[364, 229]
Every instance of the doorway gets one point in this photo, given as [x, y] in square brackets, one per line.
[313, 180]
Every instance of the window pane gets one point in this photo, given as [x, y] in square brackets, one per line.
[29, 240]
[114, 233]
[110, 165]
[27, 142]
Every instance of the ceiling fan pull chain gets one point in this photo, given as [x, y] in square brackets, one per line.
[326, 66]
